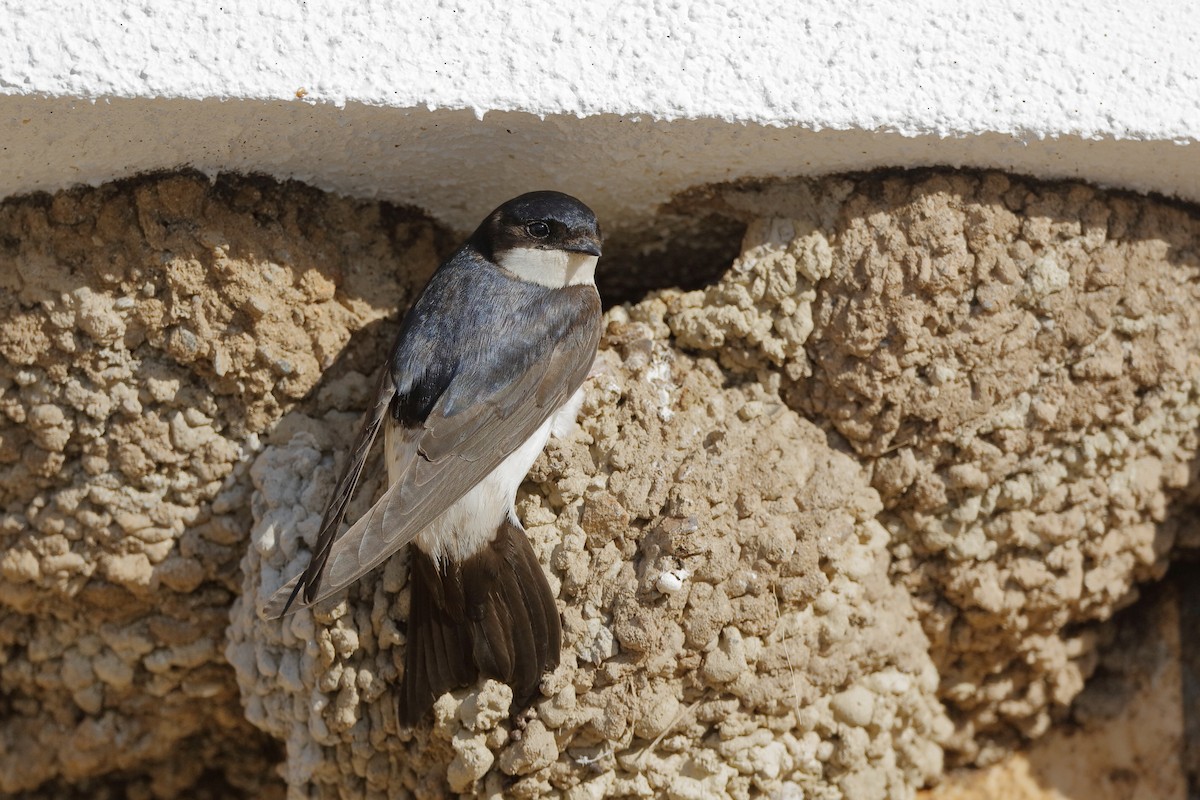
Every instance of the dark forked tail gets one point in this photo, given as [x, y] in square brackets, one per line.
[492, 615]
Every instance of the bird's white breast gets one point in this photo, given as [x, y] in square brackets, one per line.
[553, 268]
[470, 524]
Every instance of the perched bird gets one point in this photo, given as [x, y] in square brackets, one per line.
[487, 366]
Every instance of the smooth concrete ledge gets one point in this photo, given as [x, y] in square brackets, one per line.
[455, 165]
[456, 105]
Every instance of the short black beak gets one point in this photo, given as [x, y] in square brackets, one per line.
[592, 248]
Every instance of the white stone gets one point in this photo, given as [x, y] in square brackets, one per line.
[671, 581]
[854, 706]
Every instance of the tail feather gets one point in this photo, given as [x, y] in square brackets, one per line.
[492, 643]
[526, 671]
[547, 632]
[492, 615]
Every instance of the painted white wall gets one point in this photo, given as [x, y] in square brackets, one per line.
[455, 106]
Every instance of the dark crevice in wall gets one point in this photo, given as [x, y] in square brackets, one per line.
[1186, 577]
[232, 770]
[683, 247]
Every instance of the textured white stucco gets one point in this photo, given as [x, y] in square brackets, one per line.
[623, 102]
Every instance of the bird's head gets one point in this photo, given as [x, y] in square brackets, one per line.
[544, 237]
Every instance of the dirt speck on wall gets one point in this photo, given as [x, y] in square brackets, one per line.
[860, 502]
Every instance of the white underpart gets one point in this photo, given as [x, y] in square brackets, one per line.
[470, 524]
[553, 268]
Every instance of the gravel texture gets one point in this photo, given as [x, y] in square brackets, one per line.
[863, 501]
[1015, 366]
[150, 332]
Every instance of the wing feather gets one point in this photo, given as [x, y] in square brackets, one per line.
[442, 459]
[335, 511]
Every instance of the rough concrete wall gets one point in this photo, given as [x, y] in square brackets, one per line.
[1125, 736]
[1015, 366]
[903, 456]
[150, 332]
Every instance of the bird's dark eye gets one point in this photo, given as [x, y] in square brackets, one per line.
[537, 229]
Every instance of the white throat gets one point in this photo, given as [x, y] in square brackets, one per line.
[553, 268]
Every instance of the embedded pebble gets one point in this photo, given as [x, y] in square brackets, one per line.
[853, 706]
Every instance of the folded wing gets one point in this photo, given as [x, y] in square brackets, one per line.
[443, 457]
